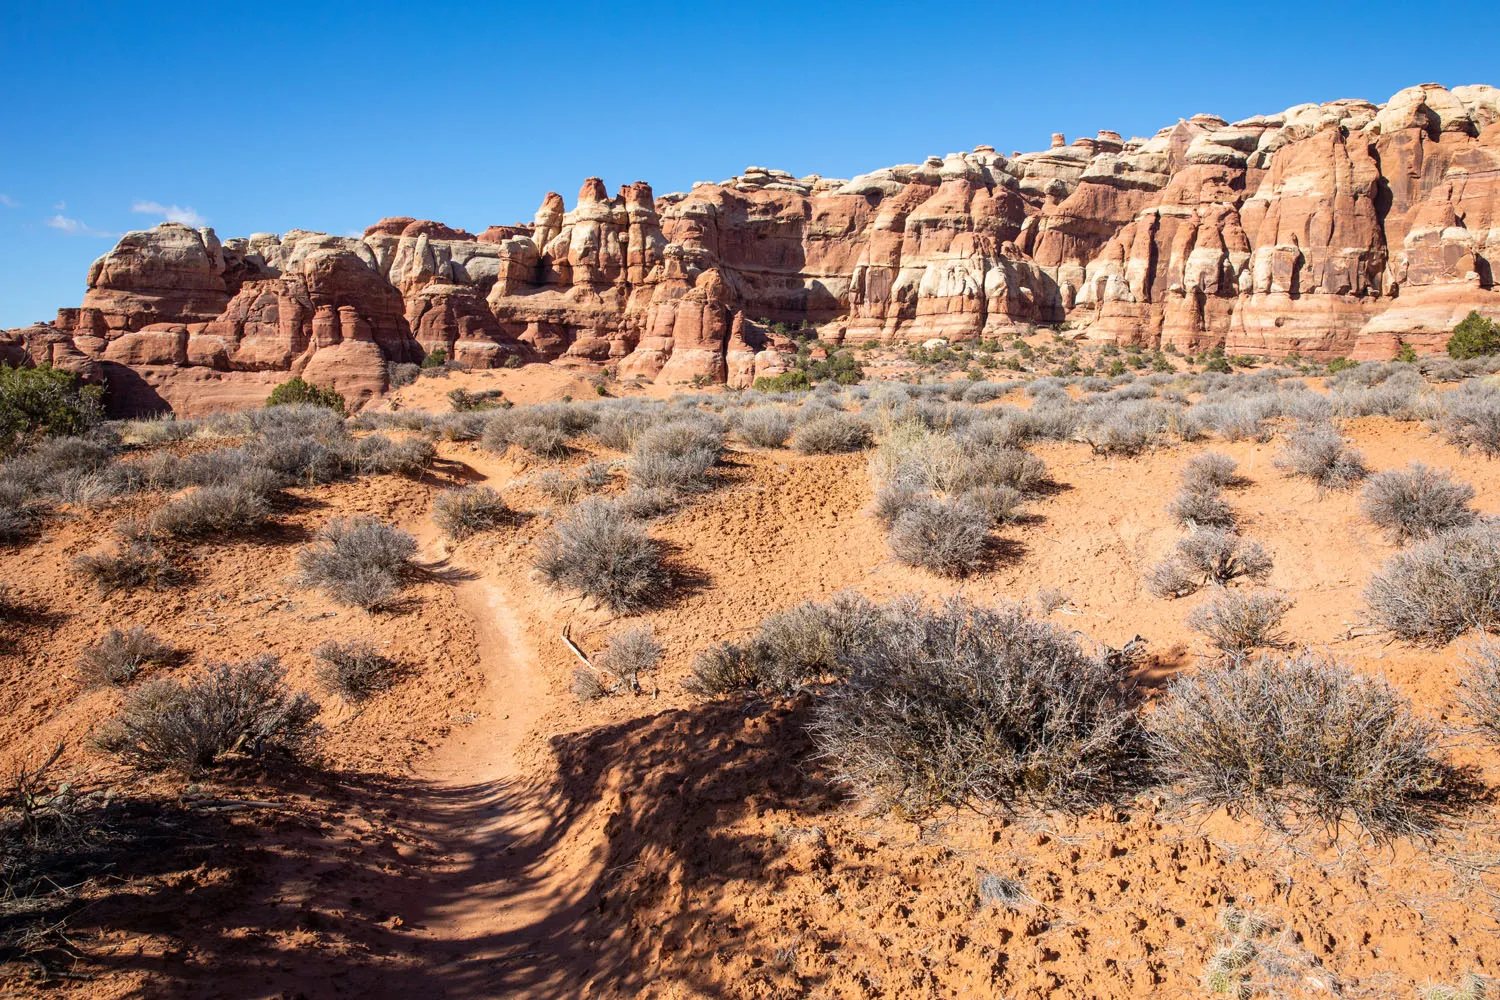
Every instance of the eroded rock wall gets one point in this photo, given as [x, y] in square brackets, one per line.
[1329, 229]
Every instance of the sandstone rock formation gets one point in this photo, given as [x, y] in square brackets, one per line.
[1329, 229]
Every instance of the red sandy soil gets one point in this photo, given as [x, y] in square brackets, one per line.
[478, 832]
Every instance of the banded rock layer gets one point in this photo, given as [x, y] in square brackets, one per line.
[1335, 229]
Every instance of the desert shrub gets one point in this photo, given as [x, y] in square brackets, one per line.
[894, 498]
[1471, 986]
[1001, 504]
[764, 426]
[1473, 337]
[641, 503]
[135, 561]
[401, 373]
[602, 555]
[1440, 588]
[587, 685]
[1219, 556]
[806, 643]
[945, 537]
[464, 401]
[236, 708]
[1472, 420]
[120, 655]
[675, 455]
[832, 433]
[1237, 621]
[1125, 425]
[1019, 470]
[356, 671]
[469, 510]
[631, 652]
[1201, 507]
[539, 439]
[296, 392]
[1296, 740]
[1239, 418]
[44, 401]
[19, 514]
[1479, 689]
[306, 458]
[966, 704]
[1171, 578]
[1209, 471]
[1320, 453]
[1394, 400]
[409, 456]
[1417, 502]
[358, 561]
[213, 510]
[791, 381]
[619, 426]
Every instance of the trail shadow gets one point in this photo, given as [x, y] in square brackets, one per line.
[286, 898]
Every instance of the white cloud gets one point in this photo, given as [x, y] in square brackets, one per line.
[8, 201]
[172, 213]
[73, 227]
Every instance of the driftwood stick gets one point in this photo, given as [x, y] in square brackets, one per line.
[574, 647]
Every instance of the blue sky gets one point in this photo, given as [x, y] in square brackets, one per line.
[267, 117]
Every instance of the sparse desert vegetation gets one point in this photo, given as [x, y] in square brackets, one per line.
[798, 626]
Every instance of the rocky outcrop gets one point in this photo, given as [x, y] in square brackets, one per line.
[1326, 229]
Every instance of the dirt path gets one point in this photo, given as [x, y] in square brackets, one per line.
[493, 916]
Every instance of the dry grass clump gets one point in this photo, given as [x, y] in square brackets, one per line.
[135, 561]
[943, 536]
[1471, 987]
[19, 513]
[469, 510]
[631, 653]
[120, 655]
[1479, 689]
[1417, 502]
[236, 708]
[1471, 419]
[641, 503]
[358, 561]
[354, 670]
[1320, 453]
[676, 456]
[601, 554]
[967, 704]
[832, 433]
[1440, 588]
[214, 510]
[409, 456]
[1237, 621]
[1205, 507]
[1209, 471]
[802, 645]
[1297, 741]
[1207, 555]
[764, 426]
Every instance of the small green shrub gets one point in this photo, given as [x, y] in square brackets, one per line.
[44, 401]
[296, 392]
[1473, 337]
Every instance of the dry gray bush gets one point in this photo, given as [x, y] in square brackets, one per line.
[764, 426]
[469, 510]
[1440, 588]
[1205, 506]
[1300, 740]
[410, 456]
[1237, 621]
[358, 561]
[235, 708]
[976, 705]
[1209, 471]
[1001, 504]
[214, 510]
[631, 652]
[896, 497]
[641, 503]
[1171, 578]
[355, 670]
[1320, 453]
[1221, 556]
[135, 561]
[120, 655]
[791, 649]
[676, 455]
[1480, 688]
[586, 685]
[1471, 419]
[1417, 502]
[601, 554]
[945, 537]
[832, 433]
